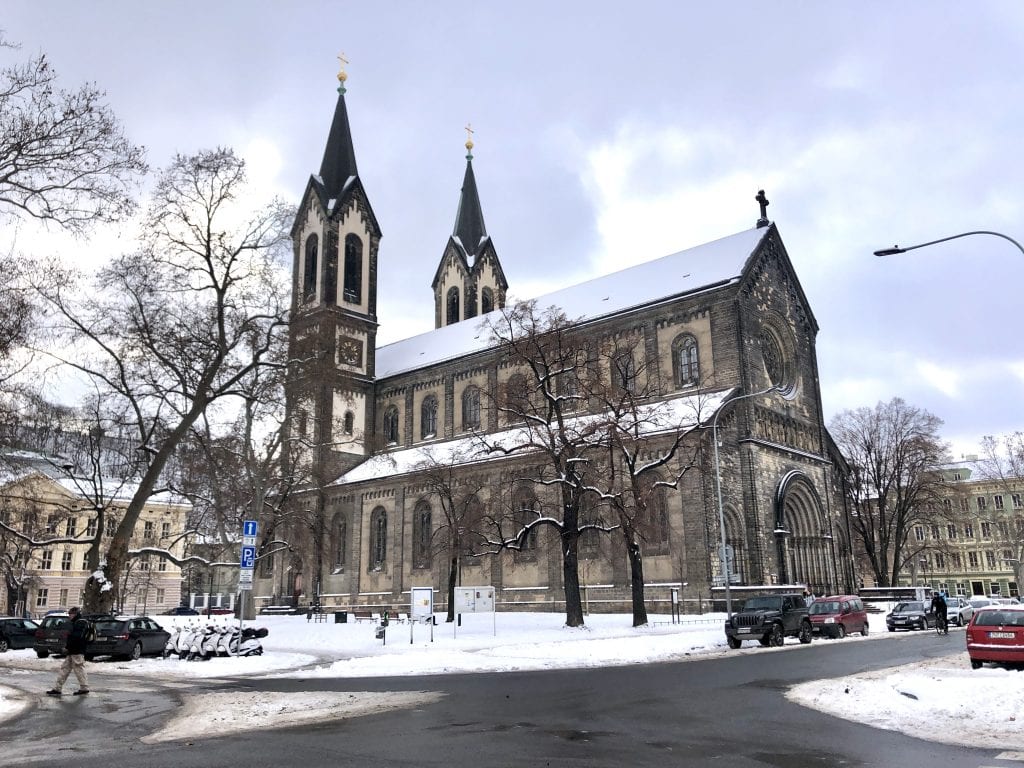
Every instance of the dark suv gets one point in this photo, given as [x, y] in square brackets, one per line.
[52, 635]
[769, 619]
[127, 637]
[16, 633]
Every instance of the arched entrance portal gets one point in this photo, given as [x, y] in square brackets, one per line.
[295, 574]
[803, 536]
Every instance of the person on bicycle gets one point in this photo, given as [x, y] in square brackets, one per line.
[939, 609]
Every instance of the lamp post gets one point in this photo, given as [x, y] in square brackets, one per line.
[725, 559]
[896, 249]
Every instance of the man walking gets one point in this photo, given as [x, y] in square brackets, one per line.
[75, 658]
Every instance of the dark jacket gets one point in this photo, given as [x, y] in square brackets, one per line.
[76, 636]
[938, 605]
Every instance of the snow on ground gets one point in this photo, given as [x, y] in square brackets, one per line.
[941, 699]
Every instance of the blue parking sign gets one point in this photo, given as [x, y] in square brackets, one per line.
[248, 557]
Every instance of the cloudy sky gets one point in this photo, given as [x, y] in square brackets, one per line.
[610, 133]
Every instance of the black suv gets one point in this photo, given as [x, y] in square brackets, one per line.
[769, 619]
[16, 633]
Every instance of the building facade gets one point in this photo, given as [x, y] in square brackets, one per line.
[723, 329]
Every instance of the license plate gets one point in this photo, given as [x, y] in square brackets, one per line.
[1001, 635]
[102, 639]
[744, 630]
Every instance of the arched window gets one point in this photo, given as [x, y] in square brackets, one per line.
[331, 269]
[339, 541]
[452, 303]
[422, 531]
[349, 422]
[470, 303]
[309, 273]
[428, 417]
[624, 371]
[654, 526]
[685, 361]
[486, 300]
[525, 510]
[378, 538]
[471, 408]
[517, 398]
[569, 390]
[391, 425]
[353, 269]
[590, 539]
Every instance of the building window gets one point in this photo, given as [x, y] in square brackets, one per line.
[452, 305]
[111, 526]
[997, 502]
[685, 361]
[144, 563]
[391, 425]
[309, 274]
[90, 527]
[486, 300]
[470, 408]
[1017, 501]
[46, 560]
[339, 544]
[935, 532]
[428, 417]
[353, 269]
[41, 597]
[955, 557]
[349, 422]
[982, 503]
[85, 562]
[422, 533]
[590, 539]
[148, 529]
[972, 559]
[517, 398]
[919, 532]
[331, 269]
[990, 559]
[161, 564]
[968, 531]
[63, 594]
[70, 526]
[378, 538]
[569, 390]
[159, 596]
[1004, 529]
[65, 561]
[526, 509]
[986, 530]
[51, 525]
[655, 527]
[964, 505]
[624, 372]
[940, 560]
[951, 531]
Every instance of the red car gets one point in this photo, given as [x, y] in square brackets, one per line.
[838, 616]
[996, 634]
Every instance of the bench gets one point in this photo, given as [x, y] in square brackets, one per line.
[316, 616]
[362, 615]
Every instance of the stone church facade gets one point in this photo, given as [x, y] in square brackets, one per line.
[725, 323]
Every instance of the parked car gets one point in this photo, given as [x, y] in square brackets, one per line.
[910, 615]
[16, 633]
[769, 619]
[52, 634]
[181, 610]
[958, 610]
[127, 637]
[980, 601]
[838, 616]
[996, 634]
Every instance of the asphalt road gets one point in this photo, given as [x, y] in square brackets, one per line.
[728, 710]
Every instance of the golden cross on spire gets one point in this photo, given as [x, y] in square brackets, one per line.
[342, 77]
[469, 137]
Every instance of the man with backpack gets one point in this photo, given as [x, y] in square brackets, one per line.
[74, 660]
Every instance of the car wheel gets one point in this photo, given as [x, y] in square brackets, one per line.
[4, 645]
[89, 657]
[840, 631]
[765, 640]
[975, 664]
[892, 629]
[735, 642]
[776, 637]
[864, 630]
[806, 633]
[136, 653]
[959, 620]
[42, 654]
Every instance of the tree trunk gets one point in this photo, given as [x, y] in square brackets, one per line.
[636, 574]
[571, 579]
[453, 574]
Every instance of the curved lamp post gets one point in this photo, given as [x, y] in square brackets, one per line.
[896, 249]
[718, 490]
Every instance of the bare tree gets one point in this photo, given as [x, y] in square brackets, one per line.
[1002, 465]
[64, 157]
[894, 451]
[174, 328]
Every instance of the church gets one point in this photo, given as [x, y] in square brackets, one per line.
[726, 323]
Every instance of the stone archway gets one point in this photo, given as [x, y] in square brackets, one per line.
[295, 572]
[802, 535]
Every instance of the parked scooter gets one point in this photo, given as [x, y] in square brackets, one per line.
[247, 643]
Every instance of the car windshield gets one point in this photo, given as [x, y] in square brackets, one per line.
[824, 606]
[765, 603]
[108, 627]
[908, 608]
[53, 622]
[998, 618]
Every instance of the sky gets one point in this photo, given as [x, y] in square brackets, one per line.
[940, 699]
[608, 134]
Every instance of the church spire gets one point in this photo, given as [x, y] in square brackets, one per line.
[339, 161]
[469, 221]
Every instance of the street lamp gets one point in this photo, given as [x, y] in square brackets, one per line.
[896, 249]
[725, 559]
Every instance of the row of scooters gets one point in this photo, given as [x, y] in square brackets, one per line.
[200, 643]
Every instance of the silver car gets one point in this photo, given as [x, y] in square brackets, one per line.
[958, 611]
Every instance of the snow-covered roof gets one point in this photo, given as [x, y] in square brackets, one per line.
[705, 266]
[662, 416]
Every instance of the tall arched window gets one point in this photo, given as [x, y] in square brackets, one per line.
[391, 425]
[685, 360]
[309, 273]
[471, 408]
[654, 525]
[378, 538]
[428, 417]
[624, 371]
[590, 539]
[422, 531]
[331, 269]
[339, 541]
[517, 398]
[353, 269]
[525, 510]
[486, 301]
[452, 303]
[349, 422]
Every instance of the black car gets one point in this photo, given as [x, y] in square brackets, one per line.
[181, 610]
[16, 633]
[127, 637]
[911, 615]
[52, 634]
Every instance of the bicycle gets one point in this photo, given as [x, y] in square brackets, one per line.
[941, 625]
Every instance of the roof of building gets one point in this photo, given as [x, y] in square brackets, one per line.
[710, 265]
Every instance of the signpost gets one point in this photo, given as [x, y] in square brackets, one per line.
[247, 564]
